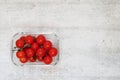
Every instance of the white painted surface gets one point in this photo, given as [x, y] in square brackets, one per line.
[88, 32]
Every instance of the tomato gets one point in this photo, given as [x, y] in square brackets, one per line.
[29, 39]
[40, 58]
[35, 46]
[40, 39]
[40, 52]
[23, 59]
[30, 52]
[32, 48]
[22, 38]
[20, 43]
[53, 52]
[47, 59]
[47, 45]
[25, 49]
[32, 59]
[20, 54]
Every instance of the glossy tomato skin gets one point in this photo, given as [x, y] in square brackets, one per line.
[53, 52]
[32, 59]
[47, 45]
[40, 58]
[47, 60]
[22, 38]
[23, 59]
[40, 52]
[20, 54]
[29, 39]
[35, 46]
[40, 39]
[20, 43]
[30, 52]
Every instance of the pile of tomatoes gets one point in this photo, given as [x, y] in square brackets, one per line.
[34, 49]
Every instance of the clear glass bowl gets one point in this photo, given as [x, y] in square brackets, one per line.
[49, 36]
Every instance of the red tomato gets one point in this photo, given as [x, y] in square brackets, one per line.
[47, 45]
[53, 52]
[22, 38]
[20, 43]
[20, 54]
[25, 49]
[40, 52]
[35, 46]
[40, 58]
[29, 39]
[47, 59]
[40, 39]
[23, 59]
[30, 52]
[32, 59]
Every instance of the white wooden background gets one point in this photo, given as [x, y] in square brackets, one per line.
[89, 33]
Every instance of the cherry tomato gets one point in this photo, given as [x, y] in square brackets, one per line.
[32, 59]
[40, 39]
[40, 52]
[20, 43]
[22, 38]
[47, 45]
[53, 52]
[47, 59]
[40, 58]
[29, 39]
[35, 46]
[30, 52]
[25, 49]
[20, 54]
[23, 59]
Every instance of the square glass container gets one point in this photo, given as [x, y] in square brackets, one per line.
[49, 36]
